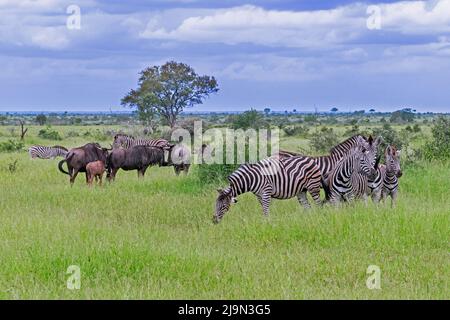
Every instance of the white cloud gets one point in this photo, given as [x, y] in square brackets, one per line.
[251, 24]
[416, 17]
[256, 25]
[50, 38]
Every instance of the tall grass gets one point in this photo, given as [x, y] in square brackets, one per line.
[154, 239]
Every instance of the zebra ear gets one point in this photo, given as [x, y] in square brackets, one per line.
[378, 141]
[219, 190]
[388, 150]
[361, 140]
[370, 140]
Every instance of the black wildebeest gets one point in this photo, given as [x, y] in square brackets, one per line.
[78, 158]
[135, 158]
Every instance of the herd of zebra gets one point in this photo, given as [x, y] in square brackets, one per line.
[351, 171]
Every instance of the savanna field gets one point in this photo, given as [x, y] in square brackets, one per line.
[154, 238]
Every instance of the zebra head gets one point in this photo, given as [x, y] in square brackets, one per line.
[366, 162]
[223, 203]
[369, 147]
[392, 158]
[119, 140]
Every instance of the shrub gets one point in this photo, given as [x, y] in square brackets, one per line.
[249, 119]
[49, 134]
[390, 135]
[100, 135]
[72, 134]
[323, 140]
[11, 146]
[439, 148]
[404, 115]
[12, 166]
[215, 173]
[296, 130]
[41, 119]
[311, 118]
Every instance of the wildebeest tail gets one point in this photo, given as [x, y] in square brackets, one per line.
[60, 166]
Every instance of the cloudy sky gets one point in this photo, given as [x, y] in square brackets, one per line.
[282, 54]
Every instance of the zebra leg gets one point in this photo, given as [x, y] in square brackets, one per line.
[264, 200]
[186, 169]
[384, 196]
[335, 198]
[365, 198]
[303, 199]
[394, 198]
[315, 194]
[376, 195]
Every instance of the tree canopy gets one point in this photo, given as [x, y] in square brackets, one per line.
[165, 91]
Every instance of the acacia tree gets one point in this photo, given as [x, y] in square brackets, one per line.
[165, 91]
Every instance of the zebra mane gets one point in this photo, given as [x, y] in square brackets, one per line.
[124, 135]
[351, 141]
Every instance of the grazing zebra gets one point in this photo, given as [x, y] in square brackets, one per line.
[327, 163]
[386, 182]
[274, 177]
[44, 152]
[122, 140]
[349, 178]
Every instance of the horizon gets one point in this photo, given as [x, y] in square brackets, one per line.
[284, 55]
[203, 112]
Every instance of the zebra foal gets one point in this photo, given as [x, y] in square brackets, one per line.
[274, 177]
[385, 183]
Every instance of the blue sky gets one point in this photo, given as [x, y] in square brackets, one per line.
[281, 54]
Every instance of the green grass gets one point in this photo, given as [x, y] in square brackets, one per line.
[155, 239]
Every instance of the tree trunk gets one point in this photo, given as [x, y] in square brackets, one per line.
[23, 131]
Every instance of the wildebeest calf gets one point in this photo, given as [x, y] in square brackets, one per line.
[95, 170]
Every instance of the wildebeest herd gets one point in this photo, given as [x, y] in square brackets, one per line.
[351, 171]
[126, 153]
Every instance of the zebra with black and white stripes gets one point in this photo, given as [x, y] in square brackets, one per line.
[327, 163]
[274, 177]
[127, 142]
[43, 152]
[349, 178]
[385, 183]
